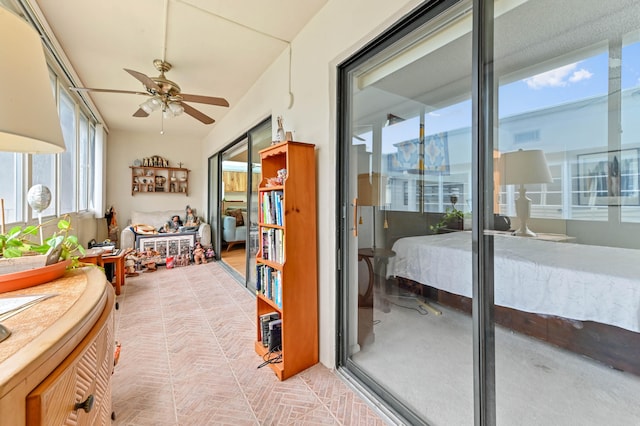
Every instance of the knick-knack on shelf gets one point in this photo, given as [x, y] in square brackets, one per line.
[280, 136]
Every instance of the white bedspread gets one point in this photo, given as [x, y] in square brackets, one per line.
[582, 282]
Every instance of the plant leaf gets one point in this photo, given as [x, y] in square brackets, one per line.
[30, 230]
[12, 252]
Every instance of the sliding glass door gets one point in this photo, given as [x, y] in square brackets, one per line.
[409, 173]
[567, 143]
[237, 189]
[489, 169]
[260, 138]
[233, 209]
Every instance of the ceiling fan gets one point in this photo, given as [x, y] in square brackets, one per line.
[164, 95]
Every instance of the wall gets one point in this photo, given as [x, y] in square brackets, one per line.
[335, 33]
[124, 147]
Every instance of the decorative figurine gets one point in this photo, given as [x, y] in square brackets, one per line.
[199, 254]
[280, 136]
[191, 220]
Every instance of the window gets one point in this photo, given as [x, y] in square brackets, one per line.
[83, 164]
[43, 172]
[68, 160]
[11, 185]
[91, 168]
[70, 176]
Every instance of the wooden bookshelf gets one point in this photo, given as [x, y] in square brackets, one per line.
[294, 260]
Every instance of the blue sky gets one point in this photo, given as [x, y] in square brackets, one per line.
[569, 83]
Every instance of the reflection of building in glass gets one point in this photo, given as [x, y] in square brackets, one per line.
[568, 133]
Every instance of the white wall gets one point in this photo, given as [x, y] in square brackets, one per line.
[337, 31]
[124, 147]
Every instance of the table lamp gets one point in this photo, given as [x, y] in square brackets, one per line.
[28, 115]
[521, 168]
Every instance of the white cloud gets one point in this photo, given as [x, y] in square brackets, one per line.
[581, 74]
[558, 77]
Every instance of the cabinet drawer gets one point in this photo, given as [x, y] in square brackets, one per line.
[85, 373]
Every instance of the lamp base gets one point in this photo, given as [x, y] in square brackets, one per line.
[523, 210]
[524, 232]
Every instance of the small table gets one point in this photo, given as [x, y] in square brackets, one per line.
[93, 255]
[365, 301]
[379, 256]
[118, 263]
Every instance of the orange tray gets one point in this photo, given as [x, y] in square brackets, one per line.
[32, 277]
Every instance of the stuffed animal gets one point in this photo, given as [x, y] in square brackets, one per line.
[199, 254]
[149, 259]
[191, 220]
[183, 260]
[210, 254]
[130, 264]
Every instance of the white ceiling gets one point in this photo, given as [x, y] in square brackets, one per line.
[217, 48]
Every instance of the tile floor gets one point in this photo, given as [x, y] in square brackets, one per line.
[187, 359]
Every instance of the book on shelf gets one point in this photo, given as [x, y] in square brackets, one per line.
[265, 319]
[272, 207]
[269, 283]
[272, 241]
[275, 335]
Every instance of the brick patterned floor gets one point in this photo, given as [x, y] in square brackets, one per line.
[187, 359]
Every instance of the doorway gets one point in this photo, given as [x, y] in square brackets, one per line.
[238, 176]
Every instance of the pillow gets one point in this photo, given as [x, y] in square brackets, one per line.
[238, 215]
[144, 229]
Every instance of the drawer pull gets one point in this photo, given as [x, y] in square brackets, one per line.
[86, 405]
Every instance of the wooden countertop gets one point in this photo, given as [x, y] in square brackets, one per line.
[43, 335]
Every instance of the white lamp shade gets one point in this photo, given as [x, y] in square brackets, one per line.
[28, 116]
[176, 108]
[524, 167]
[371, 189]
[151, 105]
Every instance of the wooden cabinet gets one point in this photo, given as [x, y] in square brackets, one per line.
[60, 353]
[287, 256]
[78, 391]
[159, 179]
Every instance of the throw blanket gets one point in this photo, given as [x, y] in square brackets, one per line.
[577, 281]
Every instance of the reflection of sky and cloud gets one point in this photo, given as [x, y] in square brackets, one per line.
[563, 85]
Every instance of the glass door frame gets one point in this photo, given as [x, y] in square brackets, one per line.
[215, 161]
[214, 202]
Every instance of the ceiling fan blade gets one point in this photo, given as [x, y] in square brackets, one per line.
[148, 83]
[140, 113]
[90, 89]
[205, 99]
[197, 114]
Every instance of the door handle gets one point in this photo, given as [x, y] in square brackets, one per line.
[355, 217]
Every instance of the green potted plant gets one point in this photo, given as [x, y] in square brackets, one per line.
[19, 242]
[452, 220]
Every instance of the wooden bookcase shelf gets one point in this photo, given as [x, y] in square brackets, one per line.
[287, 255]
[159, 180]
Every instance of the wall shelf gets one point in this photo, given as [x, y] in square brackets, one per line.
[163, 180]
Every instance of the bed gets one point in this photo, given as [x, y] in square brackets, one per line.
[580, 297]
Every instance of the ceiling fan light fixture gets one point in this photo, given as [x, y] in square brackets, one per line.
[150, 105]
[176, 109]
[172, 110]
